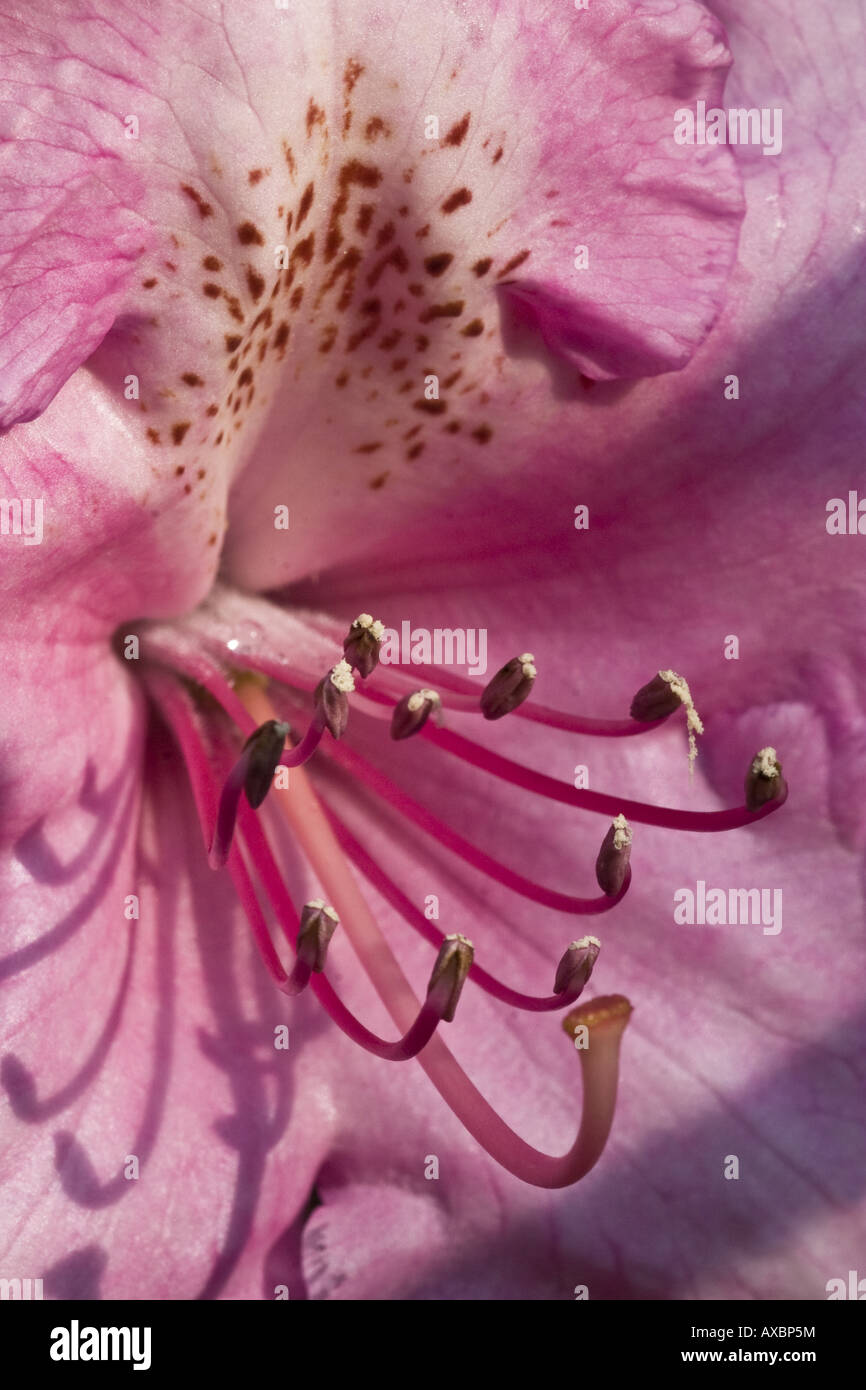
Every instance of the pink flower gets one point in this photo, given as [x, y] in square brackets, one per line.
[278, 350]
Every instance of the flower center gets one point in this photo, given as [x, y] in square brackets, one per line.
[230, 786]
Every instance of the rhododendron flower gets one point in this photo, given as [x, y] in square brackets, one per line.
[320, 323]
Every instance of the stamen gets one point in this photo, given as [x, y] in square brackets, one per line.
[362, 645]
[764, 780]
[413, 915]
[318, 924]
[576, 965]
[612, 863]
[412, 712]
[542, 785]
[449, 974]
[331, 698]
[664, 693]
[377, 782]
[306, 818]
[509, 687]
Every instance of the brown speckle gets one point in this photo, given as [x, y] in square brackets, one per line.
[385, 234]
[249, 234]
[379, 480]
[245, 377]
[219, 438]
[457, 133]
[234, 306]
[179, 430]
[192, 379]
[481, 267]
[255, 283]
[212, 540]
[169, 265]
[364, 218]
[204, 209]
[369, 448]
[255, 175]
[211, 290]
[306, 203]
[212, 410]
[456, 200]
[438, 264]
[498, 155]
[296, 297]
[290, 161]
[153, 435]
[212, 263]
[421, 342]
[453, 427]
[303, 252]
[431, 407]
[473, 329]
[341, 379]
[187, 487]
[483, 434]
[281, 337]
[315, 116]
[414, 451]
[179, 470]
[232, 342]
[149, 284]
[452, 310]
[513, 263]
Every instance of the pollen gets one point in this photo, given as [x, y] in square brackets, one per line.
[622, 832]
[341, 677]
[694, 723]
[527, 664]
[371, 625]
[765, 763]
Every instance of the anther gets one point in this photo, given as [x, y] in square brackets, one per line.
[661, 697]
[764, 780]
[576, 966]
[611, 866]
[361, 645]
[263, 750]
[449, 974]
[318, 924]
[509, 687]
[412, 712]
[332, 698]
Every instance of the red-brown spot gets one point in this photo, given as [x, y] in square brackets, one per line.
[385, 234]
[192, 379]
[233, 364]
[303, 252]
[212, 540]
[498, 155]
[212, 410]
[315, 116]
[296, 297]
[481, 267]
[306, 203]
[371, 306]
[341, 379]
[153, 436]
[368, 448]
[452, 310]
[255, 283]
[364, 218]
[179, 430]
[457, 133]
[219, 438]
[390, 340]
[473, 329]
[410, 434]
[362, 334]
[245, 377]
[149, 284]
[396, 257]
[379, 480]
[353, 173]
[450, 380]
[263, 349]
[290, 161]
[483, 434]
[457, 200]
[211, 290]
[374, 128]
[169, 265]
[232, 342]
[234, 306]
[421, 342]
[281, 337]
[179, 470]
[424, 231]
[255, 175]
[403, 211]
[212, 263]
[204, 209]
[513, 263]
[453, 427]
[431, 407]
[249, 234]
[187, 487]
[328, 338]
[415, 289]
[289, 216]
[438, 264]
[399, 364]
[200, 473]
